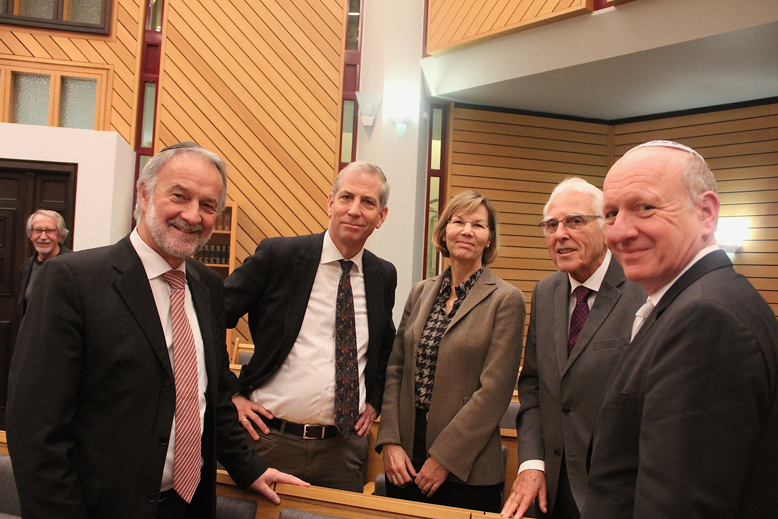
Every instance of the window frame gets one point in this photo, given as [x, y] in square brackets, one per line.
[58, 24]
[9, 65]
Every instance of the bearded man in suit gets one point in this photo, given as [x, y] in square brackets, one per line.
[579, 329]
[292, 392]
[689, 421]
[119, 404]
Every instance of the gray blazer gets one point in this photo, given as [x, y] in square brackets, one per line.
[477, 367]
[560, 396]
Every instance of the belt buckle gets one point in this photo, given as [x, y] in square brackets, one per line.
[305, 432]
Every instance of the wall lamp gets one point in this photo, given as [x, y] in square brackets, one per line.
[368, 106]
[731, 233]
[401, 105]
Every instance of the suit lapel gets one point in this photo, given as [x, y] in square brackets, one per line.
[713, 261]
[485, 285]
[606, 299]
[561, 323]
[202, 305]
[300, 286]
[374, 292]
[133, 286]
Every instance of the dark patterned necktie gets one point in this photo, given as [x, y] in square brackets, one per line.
[580, 313]
[186, 462]
[346, 369]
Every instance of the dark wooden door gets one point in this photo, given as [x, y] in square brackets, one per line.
[25, 187]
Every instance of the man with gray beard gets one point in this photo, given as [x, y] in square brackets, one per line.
[119, 402]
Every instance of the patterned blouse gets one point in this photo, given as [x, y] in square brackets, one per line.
[437, 323]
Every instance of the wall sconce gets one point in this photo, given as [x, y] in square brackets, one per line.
[731, 233]
[400, 124]
[401, 105]
[368, 106]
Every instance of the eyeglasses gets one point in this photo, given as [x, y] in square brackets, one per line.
[573, 221]
[50, 232]
[458, 224]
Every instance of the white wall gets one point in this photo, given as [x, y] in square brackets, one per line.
[106, 166]
[391, 52]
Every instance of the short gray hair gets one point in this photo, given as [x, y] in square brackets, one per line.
[578, 185]
[148, 177]
[697, 176]
[62, 231]
[371, 169]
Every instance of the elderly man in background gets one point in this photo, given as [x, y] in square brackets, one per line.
[579, 328]
[46, 230]
[320, 314]
[689, 422]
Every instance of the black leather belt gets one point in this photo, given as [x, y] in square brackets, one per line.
[305, 431]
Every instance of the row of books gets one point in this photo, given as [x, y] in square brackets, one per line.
[214, 254]
[224, 221]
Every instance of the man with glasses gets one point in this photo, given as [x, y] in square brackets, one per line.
[46, 230]
[579, 328]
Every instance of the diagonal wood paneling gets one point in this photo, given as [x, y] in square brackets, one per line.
[452, 23]
[119, 51]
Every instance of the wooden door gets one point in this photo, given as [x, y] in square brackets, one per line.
[25, 186]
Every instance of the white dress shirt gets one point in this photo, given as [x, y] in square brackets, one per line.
[303, 388]
[594, 283]
[155, 266]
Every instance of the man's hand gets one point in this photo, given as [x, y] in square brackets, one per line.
[247, 413]
[431, 476]
[397, 465]
[270, 476]
[528, 485]
[366, 419]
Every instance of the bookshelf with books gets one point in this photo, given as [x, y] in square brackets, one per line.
[219, 252]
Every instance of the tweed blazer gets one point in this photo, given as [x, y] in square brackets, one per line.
[478, 363]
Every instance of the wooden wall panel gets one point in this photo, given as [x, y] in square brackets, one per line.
[741, 147]
[453, 23]
[258, 82]
[516, 160]
[119, 52]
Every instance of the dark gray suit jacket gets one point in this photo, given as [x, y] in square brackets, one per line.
[689, 423]
[560, 396]
[273, 286]
[24, 279]
[91, 393]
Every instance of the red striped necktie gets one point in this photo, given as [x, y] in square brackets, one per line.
[186, 465]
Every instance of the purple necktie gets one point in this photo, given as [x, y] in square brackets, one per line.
[580, 313]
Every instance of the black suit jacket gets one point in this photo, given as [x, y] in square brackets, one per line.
[689, 423]
[91, 394]
[560, 395]
[24, 279]
[273, 286]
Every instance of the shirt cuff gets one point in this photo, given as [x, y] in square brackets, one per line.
[532, 465]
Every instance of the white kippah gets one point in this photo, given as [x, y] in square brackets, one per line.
[667, 144]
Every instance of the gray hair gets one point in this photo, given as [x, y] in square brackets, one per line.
[697, 176]
[147, 180]
[62, 231]
[578, 185]
[371, 169]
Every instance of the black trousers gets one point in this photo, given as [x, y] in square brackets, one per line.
[473, 497]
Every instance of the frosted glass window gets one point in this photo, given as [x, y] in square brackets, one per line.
[37, 8]
[347, 140]
[155, 15]
[31, 98]
[142, 161]
[437, 136]
[352, 35]
[434, 206]
[77, 104]
[85, 11]
[147, 125]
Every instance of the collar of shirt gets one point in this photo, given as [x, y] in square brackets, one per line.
[330, 253]
[595, 280]
[154, 264]
[657, 296]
